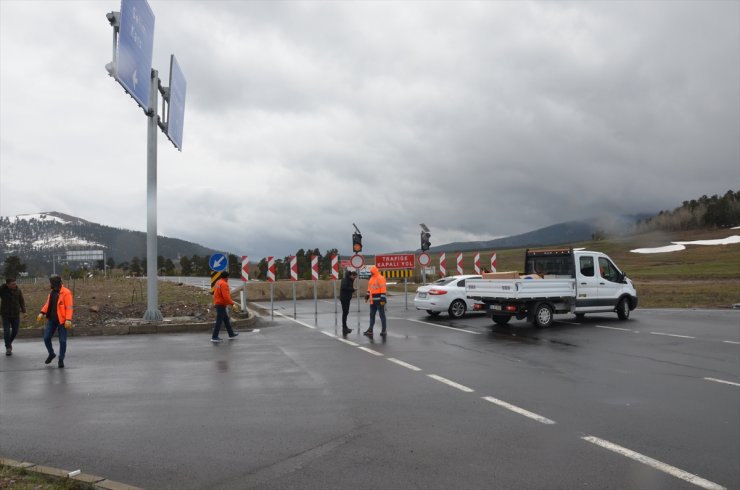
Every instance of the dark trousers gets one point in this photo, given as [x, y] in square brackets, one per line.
[222, 317]
[376, 306]
[10, 329]
[51, 327]
[345, 311]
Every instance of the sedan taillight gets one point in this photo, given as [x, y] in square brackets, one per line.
[437, 292]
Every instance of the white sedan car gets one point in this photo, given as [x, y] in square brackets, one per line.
[446, 295]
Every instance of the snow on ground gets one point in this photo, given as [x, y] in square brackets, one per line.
[659, 250]
[40, 217]
[676, 246]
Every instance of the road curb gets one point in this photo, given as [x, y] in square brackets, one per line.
[98, 482]
[142, 327]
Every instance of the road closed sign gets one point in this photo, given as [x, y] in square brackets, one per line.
[395, 261]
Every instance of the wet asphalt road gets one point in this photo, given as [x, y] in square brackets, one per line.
[439, 404]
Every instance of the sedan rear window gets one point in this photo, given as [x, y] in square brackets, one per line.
[444, 281]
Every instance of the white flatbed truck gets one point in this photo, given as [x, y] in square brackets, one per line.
[556, 281]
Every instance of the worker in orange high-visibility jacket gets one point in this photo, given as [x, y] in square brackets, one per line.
[58, 313]
[376, 295]
[222, 299]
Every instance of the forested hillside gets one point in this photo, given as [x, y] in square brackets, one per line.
[705, 212]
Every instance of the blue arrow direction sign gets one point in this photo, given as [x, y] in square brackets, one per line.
[135, 45]
[176, 106]
[218, 262]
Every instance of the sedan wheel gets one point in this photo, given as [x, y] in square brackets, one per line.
[458, 308]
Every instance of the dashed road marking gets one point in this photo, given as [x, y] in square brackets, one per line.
[348, 342]
[519, 410]
[654, 463]
[328, 334]
[614, 328]
[404, 364]
[731, 342]
[723, 381]
[443, 326]
[672, 335]
[373, 352]
[451, 383]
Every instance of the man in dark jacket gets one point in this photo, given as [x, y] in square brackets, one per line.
[346, 290]
[12, 305]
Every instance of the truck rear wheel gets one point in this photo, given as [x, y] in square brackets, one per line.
[542, 317]
[501, 319]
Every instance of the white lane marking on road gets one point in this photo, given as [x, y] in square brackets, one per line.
[723, 381]
[348, 342]
[672, 335]
[451, 383]
[654, 463]
[731, 342]
[442, 326]
[328, 334]
[373, 352]
[519, 410]
[614, 328]
[567, 323]
[296, 321]
[404, 364]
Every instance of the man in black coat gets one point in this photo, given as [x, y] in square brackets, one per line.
[12, 305]
[346, 290]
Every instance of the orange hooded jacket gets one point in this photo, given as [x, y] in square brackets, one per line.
[376, 286]
[222, 293]
[64, 305]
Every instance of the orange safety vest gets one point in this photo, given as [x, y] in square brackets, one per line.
[376, 285]
[64, 305]
[222, 294]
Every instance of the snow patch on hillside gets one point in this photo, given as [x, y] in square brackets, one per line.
[39, 217]
[676, 246]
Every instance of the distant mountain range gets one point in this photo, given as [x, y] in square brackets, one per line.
[36, 237]
[568, 232]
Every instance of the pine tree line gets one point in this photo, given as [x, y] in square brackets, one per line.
[705, 212]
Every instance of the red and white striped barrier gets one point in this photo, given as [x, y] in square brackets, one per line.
[315, 267]
[245, 268]
[476, 262]
[334, 267]
[270, 269]
[494, 264]
[293, 268]
[442, 264]
[459, 263]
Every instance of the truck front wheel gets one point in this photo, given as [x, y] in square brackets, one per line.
[623, 309]
[542, 317]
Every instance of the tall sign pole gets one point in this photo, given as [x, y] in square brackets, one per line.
[152, 296]
[133, 44]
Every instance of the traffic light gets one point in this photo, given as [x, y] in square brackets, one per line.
[356, 243]
[425, 243]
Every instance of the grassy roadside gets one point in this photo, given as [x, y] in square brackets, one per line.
[21, 479]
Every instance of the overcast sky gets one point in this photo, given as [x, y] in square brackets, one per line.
[480, 119]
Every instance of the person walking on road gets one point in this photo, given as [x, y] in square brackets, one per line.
[222, 299]
[58, 313]
[376, 295]
[12, 305]
[346, 290]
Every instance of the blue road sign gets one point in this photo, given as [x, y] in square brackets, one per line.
[218, 262]
[176, 106]
[135, 45]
